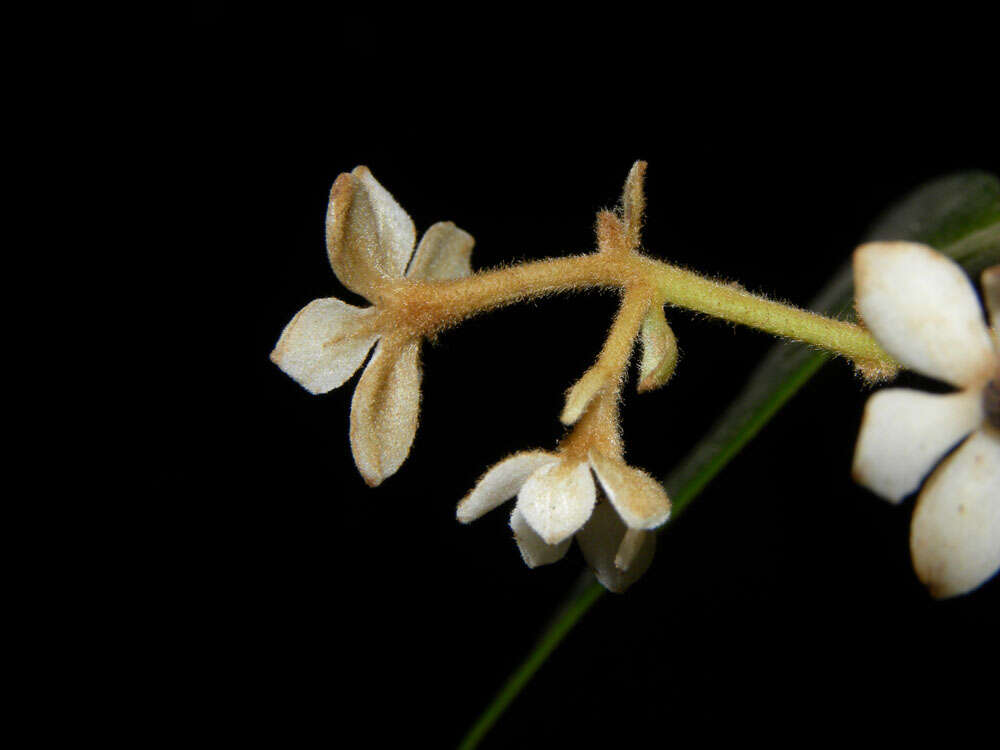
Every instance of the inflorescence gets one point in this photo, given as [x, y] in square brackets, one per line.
[583, 488]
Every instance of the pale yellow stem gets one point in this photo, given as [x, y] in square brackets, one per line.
[617, 349]
[687, 289]
[428, 307]
[607, 373]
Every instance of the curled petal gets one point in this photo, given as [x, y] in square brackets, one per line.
[639, 499]
[369, 237]
[384, 410]
[659, 351]
[955, 532]
[904, 433]
[534, 550]
[923, 310]
[352, 237]
[444, 253]
[991, 295]
[601, 541]
[502, 482]
[325, 343]
[557, 499]
[396, 233]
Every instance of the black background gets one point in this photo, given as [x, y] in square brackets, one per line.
[783, 599]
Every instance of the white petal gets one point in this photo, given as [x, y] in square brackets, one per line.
[325, 343]
[396, 233]
[444, 253]
[352, 243]
[991, 295]
[557, 499]
[955, 532]
[534, 550]
[384, 410]
[923, 310]
[600, 541]
[639, 499]
[904, 433]
[502, 482]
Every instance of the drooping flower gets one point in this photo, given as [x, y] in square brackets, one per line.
[558, 498]
[923, 310]
[370, 241]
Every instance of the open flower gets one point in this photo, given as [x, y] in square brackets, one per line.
[370, 239]
[924, 312]
[557, 498]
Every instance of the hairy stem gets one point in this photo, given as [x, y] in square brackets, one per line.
[617, 349]
[607, 374]
[429, 307]
[687, 289]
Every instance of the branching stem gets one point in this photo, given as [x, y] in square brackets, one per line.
[429, 307]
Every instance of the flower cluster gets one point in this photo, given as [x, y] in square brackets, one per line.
[923, 310]
[370, 241]
[919, 306]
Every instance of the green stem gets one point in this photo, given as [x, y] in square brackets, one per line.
[433, 306]
[729, 302]
[578, 605]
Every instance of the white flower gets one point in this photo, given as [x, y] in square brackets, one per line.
[557, 498]
[922, 309]
[370, 241]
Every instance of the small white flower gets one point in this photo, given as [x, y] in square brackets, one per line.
[922, 309]
[370, 241]
[557, 498]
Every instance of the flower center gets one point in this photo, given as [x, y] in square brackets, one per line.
[991, 402]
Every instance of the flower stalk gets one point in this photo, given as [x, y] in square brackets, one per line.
[433, 306]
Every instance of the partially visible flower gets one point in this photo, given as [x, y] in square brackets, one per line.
[370, 239]
[922, 309]
[557, 498]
